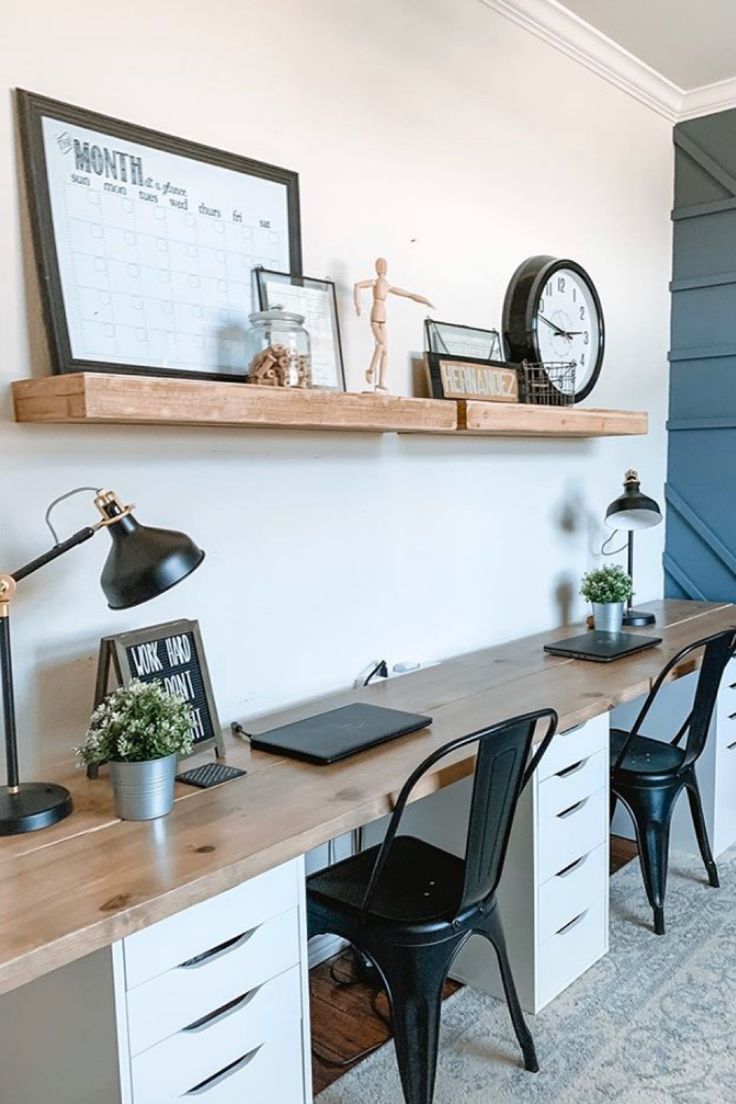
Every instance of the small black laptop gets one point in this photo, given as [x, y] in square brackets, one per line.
[602, 647]
[339, 733]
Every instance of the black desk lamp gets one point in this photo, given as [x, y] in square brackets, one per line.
[142, 563]
[633, 510]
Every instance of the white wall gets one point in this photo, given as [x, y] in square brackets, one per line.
[449, 140]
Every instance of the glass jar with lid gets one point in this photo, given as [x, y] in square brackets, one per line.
[277, 349]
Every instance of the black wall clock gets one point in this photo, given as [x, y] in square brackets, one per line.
[552, 313]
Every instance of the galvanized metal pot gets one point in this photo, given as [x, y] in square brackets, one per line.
[608, 616]
[144, 791]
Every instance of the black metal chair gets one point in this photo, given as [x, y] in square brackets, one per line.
[649, 775]
[409, 906]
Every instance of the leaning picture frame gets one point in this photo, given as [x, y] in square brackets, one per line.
[316, 301]
[146, 243]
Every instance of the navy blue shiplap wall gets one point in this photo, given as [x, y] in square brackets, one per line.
[700, 551]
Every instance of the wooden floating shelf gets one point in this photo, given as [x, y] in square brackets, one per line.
[105, 398]
[527, 420]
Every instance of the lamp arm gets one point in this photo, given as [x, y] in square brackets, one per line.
[59, 549]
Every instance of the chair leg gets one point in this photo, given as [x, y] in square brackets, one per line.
[696, 810]
[494, 933]
[651, 810]
[614, 803]
[414, 977]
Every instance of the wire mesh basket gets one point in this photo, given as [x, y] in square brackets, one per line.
[547, 384]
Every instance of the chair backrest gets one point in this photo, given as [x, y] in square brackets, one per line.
[502, 769]
[716, 651]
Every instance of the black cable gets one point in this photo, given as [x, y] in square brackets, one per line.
[237, 729]
[608, 541]
[354, 979]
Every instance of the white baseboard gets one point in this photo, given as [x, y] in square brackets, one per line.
[323, 947]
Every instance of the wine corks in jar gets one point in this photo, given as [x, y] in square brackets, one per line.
[279, 366]
[279, 350]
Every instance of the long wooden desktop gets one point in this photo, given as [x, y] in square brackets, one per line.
[93, 883]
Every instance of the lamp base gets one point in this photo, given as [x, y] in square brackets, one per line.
[34, 805]
[638, 618]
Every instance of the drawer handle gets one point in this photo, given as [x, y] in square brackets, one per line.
[203, 1088]
[732, 716]
[223, 1012]
[221, 949]
[730, 747]
[567, 870]
[572, 769]
[572, 923]
[572, 810]
[575, 728]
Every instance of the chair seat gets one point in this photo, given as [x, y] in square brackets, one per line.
[645, 756]
[420, 883]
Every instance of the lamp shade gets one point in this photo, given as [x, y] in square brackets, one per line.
[144, 562]
[633, 509]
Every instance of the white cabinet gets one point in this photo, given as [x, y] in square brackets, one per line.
[209, 1005]
[554, 892]
[716, 768]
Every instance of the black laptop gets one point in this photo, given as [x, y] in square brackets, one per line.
[339, 733]
[602, 647]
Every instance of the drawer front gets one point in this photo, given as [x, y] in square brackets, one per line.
[570, 891]
[727, 694]
[724, 804]
[161, 946]
[575, 744]
[269, 1073]
[562, 836]
[572, 784]
[726, 725]
[191, 1056]
[195, 988]
[570, 951]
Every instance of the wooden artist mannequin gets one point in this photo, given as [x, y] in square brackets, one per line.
[381, 288]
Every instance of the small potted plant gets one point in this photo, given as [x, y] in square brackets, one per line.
[140, 730]
[607, 588]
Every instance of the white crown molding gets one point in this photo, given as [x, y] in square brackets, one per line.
[564, 30]
[559, 27]
[708, 99]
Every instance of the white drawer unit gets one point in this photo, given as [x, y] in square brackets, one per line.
[554, 892]
[208, 1006]
[715, 769]
[213, 1005]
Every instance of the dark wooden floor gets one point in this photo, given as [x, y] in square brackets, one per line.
[349, 1019]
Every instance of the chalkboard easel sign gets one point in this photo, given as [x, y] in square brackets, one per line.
[172, 654]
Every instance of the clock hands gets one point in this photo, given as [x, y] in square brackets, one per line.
[558, 331]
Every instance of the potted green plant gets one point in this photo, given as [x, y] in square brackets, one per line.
[607, 589]
[140, 729]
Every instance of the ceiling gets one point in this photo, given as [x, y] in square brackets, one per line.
[690, 42]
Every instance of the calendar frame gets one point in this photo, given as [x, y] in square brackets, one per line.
[32, 109]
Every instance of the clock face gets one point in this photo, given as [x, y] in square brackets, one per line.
[567, 324]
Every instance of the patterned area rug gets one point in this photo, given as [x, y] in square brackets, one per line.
[654, 1022]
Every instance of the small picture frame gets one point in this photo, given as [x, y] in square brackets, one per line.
[471, 342]
[173, 654]
[316, 300]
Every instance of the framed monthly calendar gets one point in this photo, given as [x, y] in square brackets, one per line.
[147, 244]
